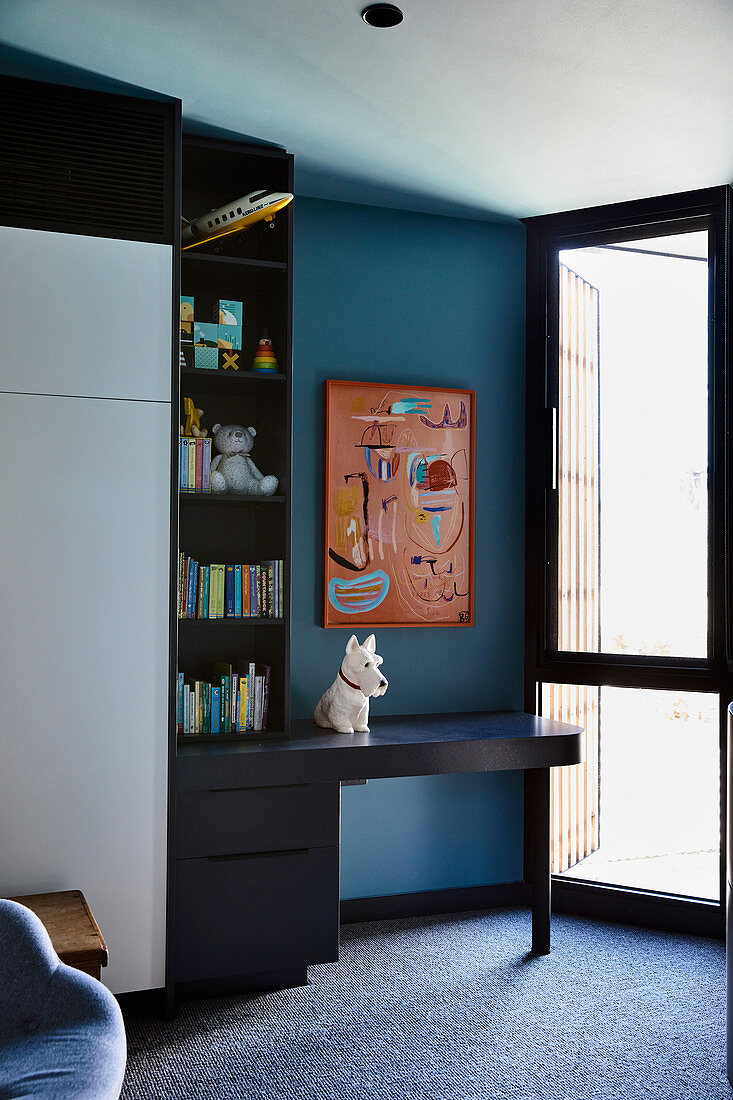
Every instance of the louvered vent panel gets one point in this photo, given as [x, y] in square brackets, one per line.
[85, 162]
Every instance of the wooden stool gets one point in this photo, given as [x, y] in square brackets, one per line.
[73, 930]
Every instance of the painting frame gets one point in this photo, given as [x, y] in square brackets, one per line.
[335, 392]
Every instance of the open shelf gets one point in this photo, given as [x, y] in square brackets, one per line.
[216, 172]
[245, 261]
[231, 621]
[229, 498]
[231, 738]
[217, 376]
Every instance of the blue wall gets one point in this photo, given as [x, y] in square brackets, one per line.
[384, 295]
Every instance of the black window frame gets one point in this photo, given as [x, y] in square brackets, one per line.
[544, 663]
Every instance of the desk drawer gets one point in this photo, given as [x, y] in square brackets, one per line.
[257, 819]
[246, 914]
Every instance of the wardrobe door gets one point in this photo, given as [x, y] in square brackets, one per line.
[88, 226]
[82, 316]
[84, 591]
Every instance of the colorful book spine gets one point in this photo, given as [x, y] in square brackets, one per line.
[191, 464]
[243, 704]
[184, 463]
[206, 466]
[275, 586]
[213, 591]
[280, 597]
[199, 463]
[266, 670]
[205, 596]
[229, 606]
[235, 703]
[181, 582]
[238, 591]
[258, 702]
[189, 583]
[211, 603]
[215, 709]
[200, 593]
[251, 679]
[222, 591]
[194, 590]
[246, 612]
[225, 704]
[180, 685]
[253, 601]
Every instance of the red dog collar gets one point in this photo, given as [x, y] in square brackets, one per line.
[354, 686]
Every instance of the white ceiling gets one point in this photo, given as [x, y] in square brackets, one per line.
[474, 107]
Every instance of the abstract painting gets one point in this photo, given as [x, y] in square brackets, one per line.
[398, 505]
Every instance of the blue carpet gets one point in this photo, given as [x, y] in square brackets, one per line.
[453, 1008]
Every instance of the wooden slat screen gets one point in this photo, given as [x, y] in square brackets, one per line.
[575, 790]
[578, 460]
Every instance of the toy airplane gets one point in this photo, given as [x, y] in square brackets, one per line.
[235, 216]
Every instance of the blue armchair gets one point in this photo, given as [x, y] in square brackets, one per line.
[61, 1032]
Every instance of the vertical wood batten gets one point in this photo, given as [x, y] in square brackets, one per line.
[574, 790]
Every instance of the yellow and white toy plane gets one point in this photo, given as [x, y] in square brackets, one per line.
[235, 216]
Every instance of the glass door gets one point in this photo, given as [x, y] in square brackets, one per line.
[625, 593]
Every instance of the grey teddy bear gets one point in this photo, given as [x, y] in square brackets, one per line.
[233, 471]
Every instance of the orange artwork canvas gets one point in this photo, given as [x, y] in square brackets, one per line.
[398, 505]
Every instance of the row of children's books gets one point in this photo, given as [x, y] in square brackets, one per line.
[232, 702]
[194, 464]
[229, 591]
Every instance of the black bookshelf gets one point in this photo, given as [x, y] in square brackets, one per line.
[232, 875]
[253, 267]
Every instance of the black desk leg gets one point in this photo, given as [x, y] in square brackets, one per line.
[539, 816]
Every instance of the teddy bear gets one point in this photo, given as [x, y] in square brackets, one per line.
[233, 471]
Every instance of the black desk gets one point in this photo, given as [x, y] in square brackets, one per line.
[409, 745]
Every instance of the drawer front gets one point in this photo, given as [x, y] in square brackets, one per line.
[247, 914]
[257, 819]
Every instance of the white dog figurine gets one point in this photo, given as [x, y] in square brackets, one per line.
[344, 707]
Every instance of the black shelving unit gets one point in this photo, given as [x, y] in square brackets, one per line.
[253, 267]
[239, 893]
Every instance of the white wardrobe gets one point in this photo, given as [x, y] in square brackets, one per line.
[85, 467]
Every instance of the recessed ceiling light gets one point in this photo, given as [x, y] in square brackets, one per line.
[382, 15]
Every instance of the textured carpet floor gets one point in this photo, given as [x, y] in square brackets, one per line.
[453, 1008]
